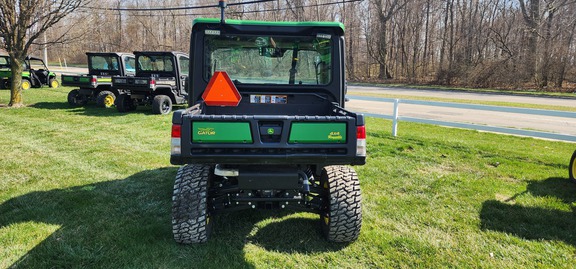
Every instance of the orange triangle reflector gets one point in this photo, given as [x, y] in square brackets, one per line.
[221, 91]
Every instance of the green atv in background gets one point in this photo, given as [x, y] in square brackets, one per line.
[35, 73]
[97, 84]
[266, 127]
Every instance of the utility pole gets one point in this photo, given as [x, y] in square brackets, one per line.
[45, 50]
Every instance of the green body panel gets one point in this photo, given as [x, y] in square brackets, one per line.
[82, 79]
[25, 74]
[221, 132]
[85, 81]
[317, 132]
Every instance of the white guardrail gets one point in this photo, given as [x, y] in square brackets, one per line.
[395, 117]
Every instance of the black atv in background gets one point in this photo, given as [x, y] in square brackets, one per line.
[160, 81]
[97, 84]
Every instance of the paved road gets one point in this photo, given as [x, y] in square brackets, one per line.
[68, 70]
[465, 95]
[558, 125]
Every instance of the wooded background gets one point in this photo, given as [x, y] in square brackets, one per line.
[479, 43]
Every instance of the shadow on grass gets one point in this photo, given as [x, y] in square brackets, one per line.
[90, 109]
[294, 235]
[126, 224]
[535, 223]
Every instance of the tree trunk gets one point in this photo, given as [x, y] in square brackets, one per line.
[16, 87]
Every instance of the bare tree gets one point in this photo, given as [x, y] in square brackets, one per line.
[385, 10]
[21, 23]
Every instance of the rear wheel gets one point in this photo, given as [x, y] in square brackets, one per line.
[190, 213]
[75, 99]
[341, 215]
[161, 104]
[53, 83]
[572, 168]
[124, 103]
[105, 99]
[26, 84]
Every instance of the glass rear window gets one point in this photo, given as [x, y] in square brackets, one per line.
[104, 63]
[157, 63]
[301, 60]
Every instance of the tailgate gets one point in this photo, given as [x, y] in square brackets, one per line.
[262, 139]
[85, 81]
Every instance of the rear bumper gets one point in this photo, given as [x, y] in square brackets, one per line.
[287, 159]
[261, 151]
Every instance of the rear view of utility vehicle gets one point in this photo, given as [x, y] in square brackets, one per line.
[266, 127]
[159, 81]
[97, 84]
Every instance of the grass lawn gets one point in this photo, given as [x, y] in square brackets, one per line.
[91, 188]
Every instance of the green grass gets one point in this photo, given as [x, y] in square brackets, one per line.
[91, 188]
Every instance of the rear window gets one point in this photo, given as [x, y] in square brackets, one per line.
[157, 63]
[104, 63]
[260, 59]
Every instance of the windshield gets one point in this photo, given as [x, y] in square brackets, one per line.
[37, 64]
[130, 64]
[269, 59]
[104, 63]
[159, 63]
[4, 62]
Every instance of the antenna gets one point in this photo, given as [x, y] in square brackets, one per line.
[222, 5]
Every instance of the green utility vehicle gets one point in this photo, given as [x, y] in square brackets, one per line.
[160, 81]
[266, 127]
[97, 84]
[35, 73]
[572, 168]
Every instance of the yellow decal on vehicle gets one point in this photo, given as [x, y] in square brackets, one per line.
[206, 131]
[335, 136]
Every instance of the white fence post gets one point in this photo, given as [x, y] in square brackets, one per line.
[395, 118]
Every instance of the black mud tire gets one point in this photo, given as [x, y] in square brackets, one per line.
[75, 99]
[105, 99]
[124, 103]
[191, 221]
[161, 104]
[341, 214]
[572, 167]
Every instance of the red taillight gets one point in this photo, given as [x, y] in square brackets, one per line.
[152, 83]
[176, 131]
[361, 132]
[175, 144]
[361, 141]
[94, 81]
